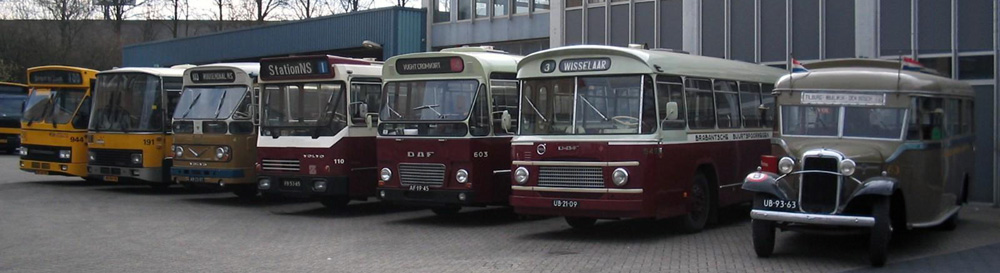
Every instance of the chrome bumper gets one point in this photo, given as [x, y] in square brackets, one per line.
[814, 219]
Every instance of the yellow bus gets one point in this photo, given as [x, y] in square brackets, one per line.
[12, 96]
[54, 122]
[129, 133]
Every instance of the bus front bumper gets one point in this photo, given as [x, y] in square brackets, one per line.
[813, 219]
[308, 187]
[114, 173]
[431, 198]
[557, 202]
[54, 168]
[212, 176]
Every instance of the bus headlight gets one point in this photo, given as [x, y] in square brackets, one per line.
[221, 153]
[619, 177]
[91, 156]
[24, 151]
[462, 176]
[264, 183]
[847, 167]
[137, 159]
[178, 150]
[521, 175]
[385, 174]
[786, 165]
[65, 154]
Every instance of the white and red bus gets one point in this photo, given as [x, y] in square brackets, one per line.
[613, 132]
[441, 141]
[315, 141]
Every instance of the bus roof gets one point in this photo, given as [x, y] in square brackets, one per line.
[62, 67]
[247, 77]
[157, 71]
[484, 62]
[14, 84]
[870, 75]
[315, 67]
[649, 61]
[250, 68]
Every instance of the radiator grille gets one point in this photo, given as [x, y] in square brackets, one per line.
[571, 177]
[114, 157]
[44, 153]
[818, 191]
[421, 174]
[280, 165]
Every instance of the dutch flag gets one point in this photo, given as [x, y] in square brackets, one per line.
[911, 64]
[797, 66]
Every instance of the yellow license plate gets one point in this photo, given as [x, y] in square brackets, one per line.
[111, 178]
[42, 172]
[3, 140]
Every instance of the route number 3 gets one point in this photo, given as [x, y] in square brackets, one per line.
[481, 154]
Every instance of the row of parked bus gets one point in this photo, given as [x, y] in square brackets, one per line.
[583, 132]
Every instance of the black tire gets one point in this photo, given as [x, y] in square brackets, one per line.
[446, 211]
[701, 209]
[246, 192]
[763, 234]
[335, 202]
[881, 232]
[581, 222]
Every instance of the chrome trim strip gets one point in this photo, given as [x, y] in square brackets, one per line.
[937, 221]
[731, 185]
[576, 190]
[573, 163]
[522, 143]
[501, 171]
[814, 219]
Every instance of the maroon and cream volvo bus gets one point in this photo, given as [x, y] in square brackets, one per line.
[441, 140]
[315, 138]
[612, 132]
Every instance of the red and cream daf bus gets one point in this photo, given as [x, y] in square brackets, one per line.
[440, 143]
[314, 140]
[612, 132]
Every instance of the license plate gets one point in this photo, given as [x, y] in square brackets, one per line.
[3, 140]
[111, 178]
[291, 183]
[196, 179]
[42, 172]
[420, 188]
[780, 204]
[565, 203]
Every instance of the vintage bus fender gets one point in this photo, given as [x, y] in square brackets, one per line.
[879, 185]
[764, 182]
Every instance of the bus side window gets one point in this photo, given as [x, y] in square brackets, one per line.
[173, 87]
[768, 112]
[966, 122]
[479, 120]
[671, 89]
[928, 119]
[750, 104]
[727, 104]
[81, 119]
[700, 103]
[953, 117]
[368, 95]
[504, 99]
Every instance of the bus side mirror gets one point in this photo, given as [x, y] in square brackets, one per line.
[671, 110]
[369, 119]
[363, 109]
[505, 121]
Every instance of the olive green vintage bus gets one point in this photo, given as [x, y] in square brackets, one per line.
[864, 145]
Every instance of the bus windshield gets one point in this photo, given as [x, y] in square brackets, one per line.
[210, 102]
[297, 109]
[56, 105]
[595, 105]
[127, 102]
[824, 120]
[439, 100]
[10, 105]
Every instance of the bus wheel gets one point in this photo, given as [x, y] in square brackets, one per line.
[245, 192]
[335, 202]
[446, 211]
[581, 222]
[950, 224]
[763, 234]
[881, 232]
[701, 206]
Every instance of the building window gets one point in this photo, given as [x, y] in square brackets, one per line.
[464, 9]
[933, 26]
[941, 64]
[772, 31]
[805, 30]
[442, 11]
[481, 8]
[542, 5]
[974, 20]
[595, 26]
[595, 1]
[500, 7]
[574, 27]
[839, 29]
[671, 24]
[894, 27]
[741, 31]
[521, 6]
[975, 67]
[713, 28]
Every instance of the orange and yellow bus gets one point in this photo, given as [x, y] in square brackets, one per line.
[12, 96]
[54, 122]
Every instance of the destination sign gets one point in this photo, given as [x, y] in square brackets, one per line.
[294, 68]
[586, 64]
[214, 76]
[430, 65]
[731, 136]
[55, 77]
[843, 99]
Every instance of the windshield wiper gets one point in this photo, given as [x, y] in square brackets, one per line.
[329, 119]
[594, 108]
[44, 110]
[221, 102]
[392, 110]
[539, 113]
[431, 107]
[195, 100]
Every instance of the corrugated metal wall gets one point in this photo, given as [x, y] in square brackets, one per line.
[398, 30]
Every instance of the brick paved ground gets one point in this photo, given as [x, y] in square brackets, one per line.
[52, 224]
